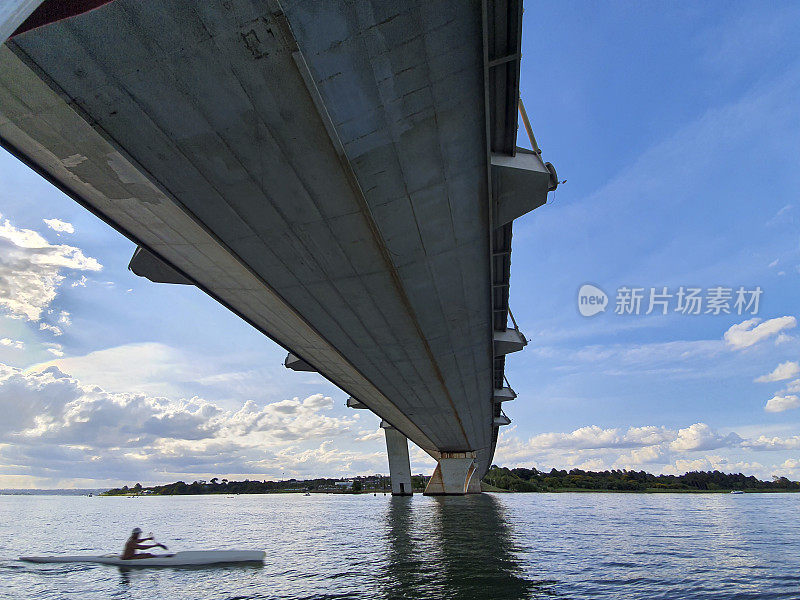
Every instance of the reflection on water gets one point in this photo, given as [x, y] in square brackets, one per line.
[509, 546]
[127, 574]
[461, 548]
[404, 570]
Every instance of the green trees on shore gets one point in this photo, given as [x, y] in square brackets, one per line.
[620, 480]
[514, 480]
[375, 483]
[215, 486]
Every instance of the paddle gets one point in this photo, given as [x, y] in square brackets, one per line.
[153, 539]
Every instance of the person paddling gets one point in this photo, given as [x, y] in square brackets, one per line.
[134, 543]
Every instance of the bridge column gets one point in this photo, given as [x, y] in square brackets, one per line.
[452, 475]
[399, 464]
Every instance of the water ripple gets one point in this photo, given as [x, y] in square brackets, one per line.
[592, 546]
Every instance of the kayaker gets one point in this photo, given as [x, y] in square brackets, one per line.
[134, 543]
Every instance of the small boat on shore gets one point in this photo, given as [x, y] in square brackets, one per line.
[179, 559]
[737, 492]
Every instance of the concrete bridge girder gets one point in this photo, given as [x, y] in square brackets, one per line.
[317, 243]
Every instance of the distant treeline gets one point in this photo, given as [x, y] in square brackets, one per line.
[514, 480]
[50, 492]
[533, 480]
[215, 485]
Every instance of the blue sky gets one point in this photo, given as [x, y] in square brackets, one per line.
[677, 128]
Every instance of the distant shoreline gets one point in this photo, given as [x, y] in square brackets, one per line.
[485, 488]
[497, 479]
[101, 493]
[51, 492]
[651, 491]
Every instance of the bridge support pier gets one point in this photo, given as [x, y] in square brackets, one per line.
[453, 475]
[399, 464]
[474, 485]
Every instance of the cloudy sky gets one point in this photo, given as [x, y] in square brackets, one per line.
[678, 132]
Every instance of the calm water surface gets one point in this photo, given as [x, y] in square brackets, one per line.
[485, 547]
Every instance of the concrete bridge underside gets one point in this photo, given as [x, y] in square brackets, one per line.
[342, 175]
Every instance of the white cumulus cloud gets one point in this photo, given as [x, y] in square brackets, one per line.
[597, 437]
[56, 426]
[640, 456]
[8, 342]
[54, 329]
[59, 226]
[785, 370]
[782, 403]
[793, 386]
[764, 442]
[370, 436]
[702, 437]
[750, 332]
[32, 269]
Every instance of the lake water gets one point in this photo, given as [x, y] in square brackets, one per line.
[615, 546]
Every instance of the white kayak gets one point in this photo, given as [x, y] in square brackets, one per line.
[179, 559]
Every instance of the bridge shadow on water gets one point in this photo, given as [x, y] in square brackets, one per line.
[458, 547]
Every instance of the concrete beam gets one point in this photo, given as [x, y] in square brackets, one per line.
[501, 421]
[521, 184]
[452, 474]
[146, 264]
[399, 463]
[297, 364]
[353, 403]
[504, 394]
[508, 341]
